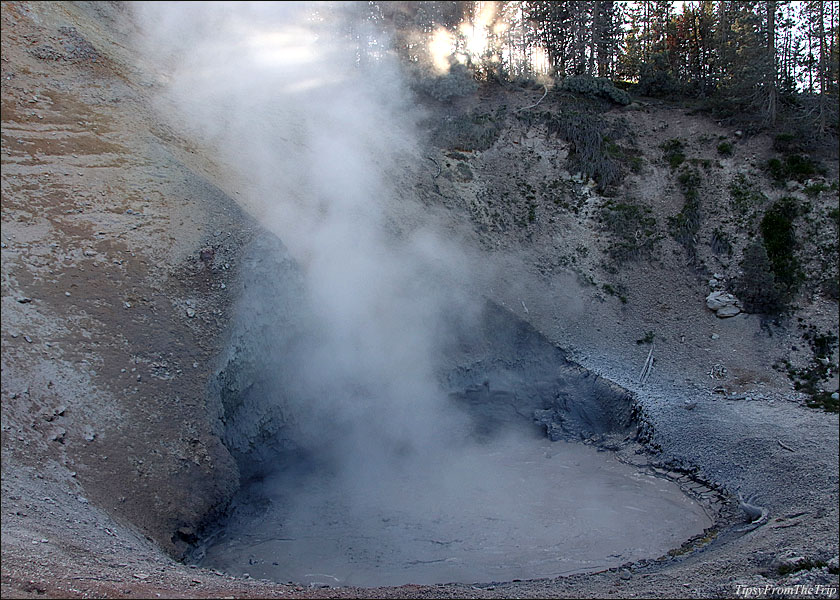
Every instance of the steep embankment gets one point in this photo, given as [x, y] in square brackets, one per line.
[111, 315]
[615, 268]
[120, 250]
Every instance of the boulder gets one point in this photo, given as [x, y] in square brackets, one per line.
[718, 299]
[723, 303]
[728, 311]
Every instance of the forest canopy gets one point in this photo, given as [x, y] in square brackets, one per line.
[774, 61]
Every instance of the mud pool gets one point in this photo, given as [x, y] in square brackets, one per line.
[464, 464]
[540, 509]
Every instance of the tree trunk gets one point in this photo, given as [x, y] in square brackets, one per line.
[822, 68]
[723, 48]
[595, 43]
[771, 61]
[579, 19]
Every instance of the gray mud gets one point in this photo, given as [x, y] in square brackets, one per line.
[541, 509]
[478, 477]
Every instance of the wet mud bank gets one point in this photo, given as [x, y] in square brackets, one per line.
[315, 472]
[492, 365]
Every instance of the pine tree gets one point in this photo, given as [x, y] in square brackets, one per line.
[757, 287]
[770, 61]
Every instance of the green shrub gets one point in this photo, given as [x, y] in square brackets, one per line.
[720, 243]
[608, 288]
[821, 343]
[673, 150]
[757, 287]
[776, 169]
[470, 132]
[689, 180]
[810, 378]
[815, 189]
[834, 215]
[779, 238]
[793, 166]
[724, 149]
[459, 81]
[744, 195]
[787, 143]
[771, 271]
[589, 137]
[594, 86]
[648, 339]
[684, 225]
[800, 166]
[630, 157]
[633, 230]
[656, 78]
[805, 565]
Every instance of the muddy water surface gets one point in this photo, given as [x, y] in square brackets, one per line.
[511, 509]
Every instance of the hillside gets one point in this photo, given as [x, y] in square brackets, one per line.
[129, 236]
[613, 255]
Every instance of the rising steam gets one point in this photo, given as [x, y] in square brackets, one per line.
[309, 112]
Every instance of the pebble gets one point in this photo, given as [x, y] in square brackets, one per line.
[190, 313]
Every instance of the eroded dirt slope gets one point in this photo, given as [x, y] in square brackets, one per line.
[110, 315]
